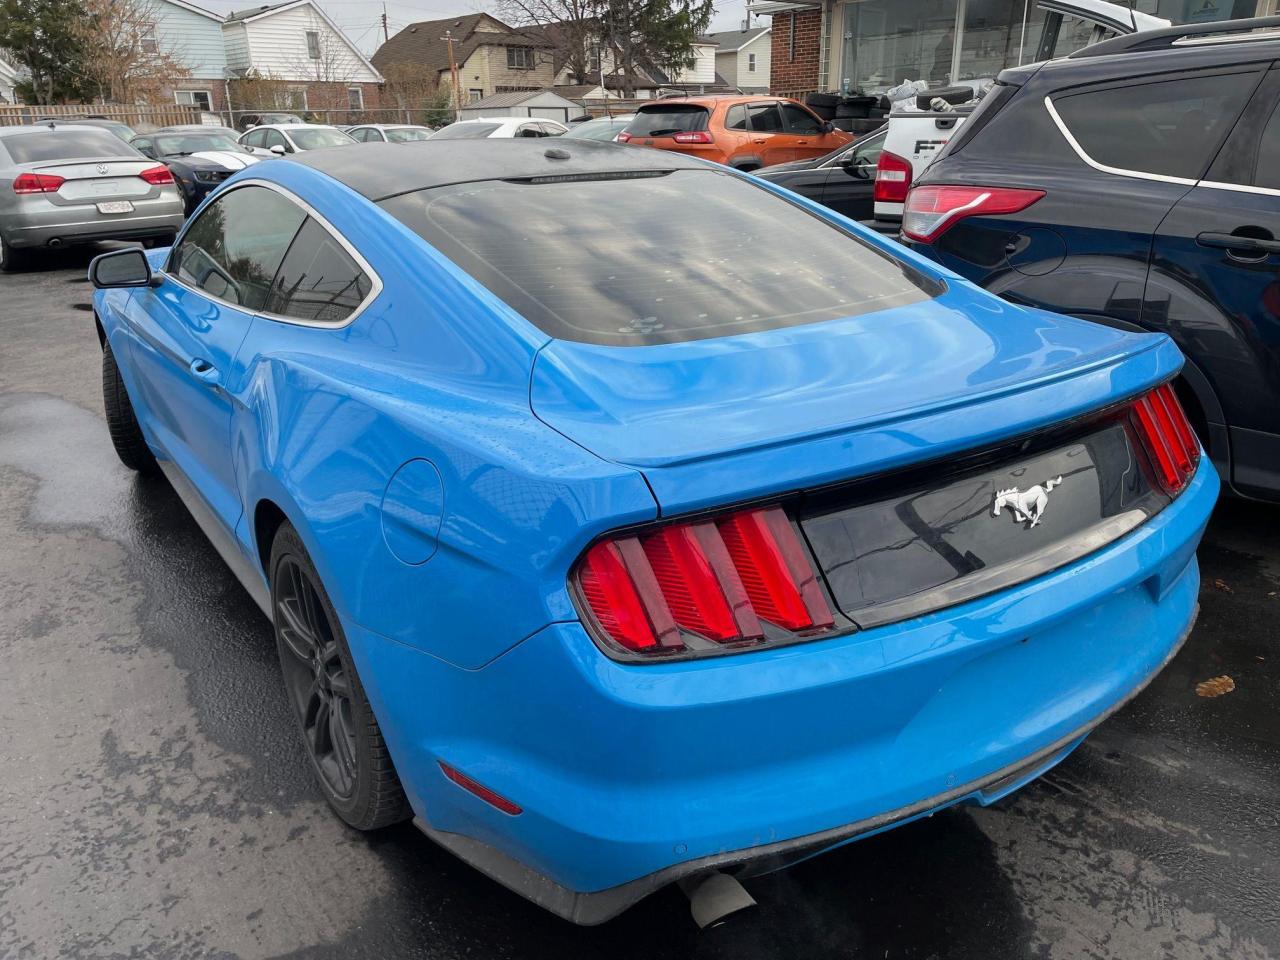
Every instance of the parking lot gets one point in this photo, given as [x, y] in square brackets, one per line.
[156, 802]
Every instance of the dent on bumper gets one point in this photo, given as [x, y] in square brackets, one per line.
[632, 776]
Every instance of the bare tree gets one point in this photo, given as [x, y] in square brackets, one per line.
[567, 25]
[126, 53]
[327, 58]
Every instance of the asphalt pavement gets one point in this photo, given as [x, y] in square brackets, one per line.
[155, 801]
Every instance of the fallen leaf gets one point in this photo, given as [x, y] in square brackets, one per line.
[1215, 687]
[1222, 585]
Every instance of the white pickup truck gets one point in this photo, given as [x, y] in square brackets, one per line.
[918, 129]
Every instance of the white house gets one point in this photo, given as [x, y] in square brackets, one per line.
[703, 71]
[742, 58]
[192, 36]
[8, 80]
[295, 41]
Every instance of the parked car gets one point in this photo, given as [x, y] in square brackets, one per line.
[121, 130]
[625, 568]
[500, 128]
[601, 128]
[393, 132]
[1109, 187]
[282, 138]
[250, 120]
[843, 180]
[198, 161]
[745, 133]
[227, 132]
[64, 184]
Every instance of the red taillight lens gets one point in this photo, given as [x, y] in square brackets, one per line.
[624, 137]
[1167, 435]
[932, 210]
[480, 790]
[893, 178]
[157, 175]
[714, 579]
[37, 183]
[693, 136]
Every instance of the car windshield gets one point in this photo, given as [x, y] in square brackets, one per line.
[465, 130]
[408, 134]
[66, 144]
[666, 257]
[602, 129]
[312, 138]
[667, 119]
[177, 144]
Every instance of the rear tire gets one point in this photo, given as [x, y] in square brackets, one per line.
[11, 258]
[339, 731]
[126, 435]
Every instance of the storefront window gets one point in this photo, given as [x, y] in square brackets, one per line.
[888, 41]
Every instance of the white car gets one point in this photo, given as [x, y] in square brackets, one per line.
[500, 127]
[388, 132]
[283, 138]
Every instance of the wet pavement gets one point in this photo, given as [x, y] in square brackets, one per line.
[154, 801]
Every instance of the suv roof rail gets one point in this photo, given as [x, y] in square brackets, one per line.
[1189, 34]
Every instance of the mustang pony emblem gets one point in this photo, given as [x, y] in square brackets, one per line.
[1027, 505]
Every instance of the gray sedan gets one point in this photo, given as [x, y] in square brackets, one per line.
[63, 184]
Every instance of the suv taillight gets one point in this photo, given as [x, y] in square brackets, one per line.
[623, 137]
[37, 183]
[691, 588]
[1169, 440]
[932, 210]
[694, 136]
[893, 178]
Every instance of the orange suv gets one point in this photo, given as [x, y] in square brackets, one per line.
[742, 132]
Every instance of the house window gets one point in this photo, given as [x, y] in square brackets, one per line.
[593, 60]
[193, 98]
[147, 39]
[519, 58]
[751, 63]
[355, 98]
[313, 44]
[474, 95]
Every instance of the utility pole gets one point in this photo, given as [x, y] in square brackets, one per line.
[453, 73]
[386, 35]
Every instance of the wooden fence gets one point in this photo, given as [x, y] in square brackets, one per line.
[14, 115]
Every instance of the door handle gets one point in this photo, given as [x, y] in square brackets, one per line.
[760, 140]
[1236, 242]
[204, 371]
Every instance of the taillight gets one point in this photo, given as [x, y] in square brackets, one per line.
[693, 587]
[694, 136]
[1167, 435]
[932, 210]
[893, 178]
[157, 175]
[623, 137]
[37, 183]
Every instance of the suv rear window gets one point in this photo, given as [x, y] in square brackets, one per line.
[674, 260]
[1172, 128]
[668, 119]
[65, 145]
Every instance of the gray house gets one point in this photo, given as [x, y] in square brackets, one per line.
[743, 59]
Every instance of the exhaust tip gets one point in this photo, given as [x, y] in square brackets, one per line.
[55, 242]
[714, 898]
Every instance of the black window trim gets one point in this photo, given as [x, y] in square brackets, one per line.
[375, 282]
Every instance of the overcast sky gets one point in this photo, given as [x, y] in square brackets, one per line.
[360, 18]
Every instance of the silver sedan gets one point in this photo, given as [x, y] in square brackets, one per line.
[63, 184]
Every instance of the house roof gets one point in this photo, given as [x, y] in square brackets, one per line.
[194, 9]
[502, 100]
[424, 43]
[267, 10]
[732, 40]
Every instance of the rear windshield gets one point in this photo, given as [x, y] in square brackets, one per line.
[668, 119]
[465, 131]
[65, 144]
[677, 256]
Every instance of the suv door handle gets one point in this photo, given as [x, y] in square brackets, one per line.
[204, 371]
[1236, 242]
[760, 140]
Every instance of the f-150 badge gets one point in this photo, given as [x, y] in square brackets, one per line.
[1026, 504]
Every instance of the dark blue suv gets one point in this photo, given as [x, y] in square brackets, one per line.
[1137, 183]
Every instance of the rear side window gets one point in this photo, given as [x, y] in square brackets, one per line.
[668, 119]
[64, 144]
[1172, 128]
[674, 260]
[765, 118]
[736, 118]
[1268, 169]
[234, 248]
[318, 280]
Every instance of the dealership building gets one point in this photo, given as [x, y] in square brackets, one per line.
[867, 46]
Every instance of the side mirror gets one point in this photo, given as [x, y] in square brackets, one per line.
[278, 150]
[828, 126]
[846, 161]
[120, 268]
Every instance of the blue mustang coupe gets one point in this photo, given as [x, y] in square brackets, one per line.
[626, 520]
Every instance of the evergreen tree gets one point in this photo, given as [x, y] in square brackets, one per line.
[47, 37]
[652, 34]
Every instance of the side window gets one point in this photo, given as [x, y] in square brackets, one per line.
[253, 138]
[1172, 128]
[233, 249]
[318, 280]
[274, 138]
[361, 135]
[869, 152]
[765, 118]
[529, 130]
[736, 118]
[1267, 172]
[800, 121]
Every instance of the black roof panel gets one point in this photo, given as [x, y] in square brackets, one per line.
[380, 170]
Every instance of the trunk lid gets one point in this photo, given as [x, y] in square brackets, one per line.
[94, 181]
[716, 421]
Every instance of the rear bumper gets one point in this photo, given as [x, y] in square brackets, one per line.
[36, 227]
[632, 776]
